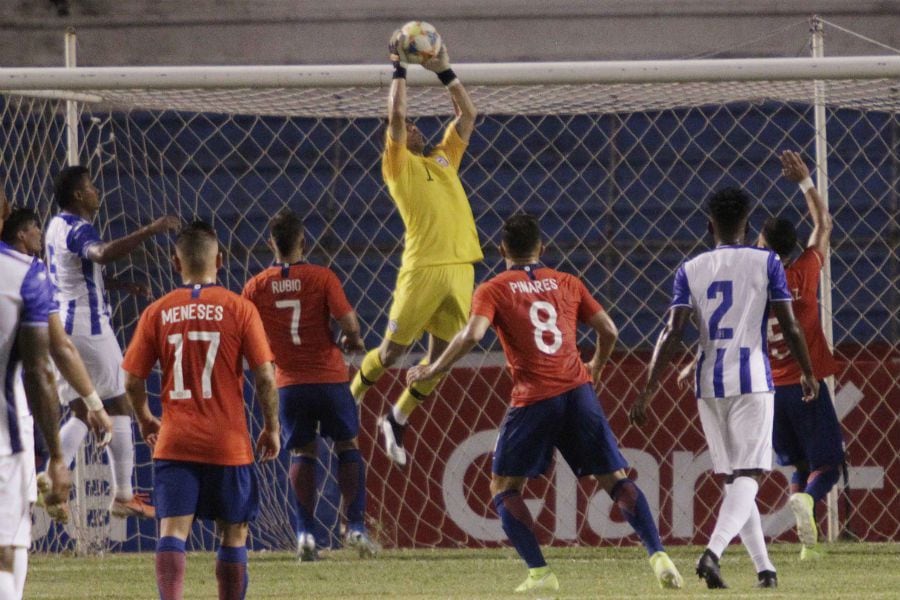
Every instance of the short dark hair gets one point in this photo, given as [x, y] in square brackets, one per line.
[521, 235]
[19, 219]
[780, 235]
[728, 208]
[67, 182]
[286, 229]
[193, 242]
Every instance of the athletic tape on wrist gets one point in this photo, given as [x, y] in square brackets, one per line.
[806, 185]
[447, 76]
[92, 401]
[399, 71]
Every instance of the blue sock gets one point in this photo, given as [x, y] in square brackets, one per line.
[821, 481]
[633, 504]
[519, 527]
[352, 481]
[302, 475]
[798, 481]
[231, 564]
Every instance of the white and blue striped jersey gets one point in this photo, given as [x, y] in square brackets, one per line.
[729, 289]
[78, 280]
[25, 301]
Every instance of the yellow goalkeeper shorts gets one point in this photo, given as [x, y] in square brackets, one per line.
[433, 299]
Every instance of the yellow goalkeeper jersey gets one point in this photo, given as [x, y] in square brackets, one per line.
[440, 228]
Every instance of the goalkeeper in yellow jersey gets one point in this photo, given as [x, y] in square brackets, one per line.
[436, 278]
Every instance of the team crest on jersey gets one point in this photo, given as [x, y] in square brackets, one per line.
[392, 326]
[442, 161]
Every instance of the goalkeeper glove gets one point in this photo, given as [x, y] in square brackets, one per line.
[440, 64]
[394, 50]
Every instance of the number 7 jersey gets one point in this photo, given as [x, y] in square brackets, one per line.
[200, 335]
[729, 289]
[536, 311]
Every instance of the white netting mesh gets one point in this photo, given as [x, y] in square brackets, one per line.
[617, 174]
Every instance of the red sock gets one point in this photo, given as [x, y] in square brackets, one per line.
[170, 562]
[231, 572]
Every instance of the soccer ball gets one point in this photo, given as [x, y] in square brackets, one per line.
[418, 42]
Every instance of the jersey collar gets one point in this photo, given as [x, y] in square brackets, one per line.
[529, 268]
[196, 288]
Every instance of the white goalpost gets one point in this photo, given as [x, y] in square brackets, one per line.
[615, 158]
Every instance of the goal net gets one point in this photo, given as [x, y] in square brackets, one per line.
[616, 169]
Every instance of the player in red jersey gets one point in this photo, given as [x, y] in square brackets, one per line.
[535, 311]
[297, 301]
[806, 434]
[202, 456]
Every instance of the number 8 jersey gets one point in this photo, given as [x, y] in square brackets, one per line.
[729, 289]
[200, 335]
[535, 311]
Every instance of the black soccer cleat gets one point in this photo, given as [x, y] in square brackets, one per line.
[708, 570]
[767, 579]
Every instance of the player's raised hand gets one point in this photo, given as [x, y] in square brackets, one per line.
[685, 375]
[810, 387]
[164, 224]
[792, 166]
[56, 499]
[440, 63]
[268, 444]
[394, 50]
[99, 422]
[418, 373]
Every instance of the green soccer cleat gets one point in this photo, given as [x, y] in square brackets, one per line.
[812, 553]
[802, 506]
[666, 573]
[539, 581]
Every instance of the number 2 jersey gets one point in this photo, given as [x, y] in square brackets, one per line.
[729, 289]
[200, 335]
[535, 311]
[296, 303]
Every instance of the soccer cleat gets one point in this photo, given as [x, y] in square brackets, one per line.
[362, 543]
[306, 548]
[138, 506]
[666, 573]
[392, 435]
[812, 553]
[546, 581]
[708, 570]
[767, 579]
[802, 506]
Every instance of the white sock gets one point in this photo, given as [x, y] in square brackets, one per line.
[7, 585]
[739, 501]
[20, 570]
[755, 542]
[121, 457]
[71, 434]
[399, 416]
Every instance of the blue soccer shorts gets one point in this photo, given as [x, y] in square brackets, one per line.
[806, 431]
[214, 492]
[328, 408]
[572, 422]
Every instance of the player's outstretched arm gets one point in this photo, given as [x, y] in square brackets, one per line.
[67, 359]
[33, 344]
[795, 170]
[668, 340]
[136, 392]
[466, 112]
[268, 444]
[460, 345]
[793, 335]
[607, 334]
[397, 95]
[107, 252]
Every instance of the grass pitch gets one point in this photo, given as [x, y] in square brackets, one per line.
[850, 570]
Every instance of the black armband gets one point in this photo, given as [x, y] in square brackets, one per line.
[399, 71]
[447, 77]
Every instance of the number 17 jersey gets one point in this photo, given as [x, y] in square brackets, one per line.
[536, 311]
[729, 289]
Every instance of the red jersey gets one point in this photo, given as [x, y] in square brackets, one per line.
[200, 335]
[803, 281]
[296, 303]
[535, 311]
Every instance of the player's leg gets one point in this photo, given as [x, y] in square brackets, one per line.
[298, 422]
[120, 453]
[524, 449]
[176, 492]
[230, 496]
[231, 561]
[7, 581]
[15, 517]
[170, 556]
[755, 542]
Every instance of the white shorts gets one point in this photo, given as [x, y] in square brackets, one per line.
[738, 431]
[103, 358]
[15, 507]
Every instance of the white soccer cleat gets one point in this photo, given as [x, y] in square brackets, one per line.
[393, 440]
[802, 506]
[363, 544]
[306, 548]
